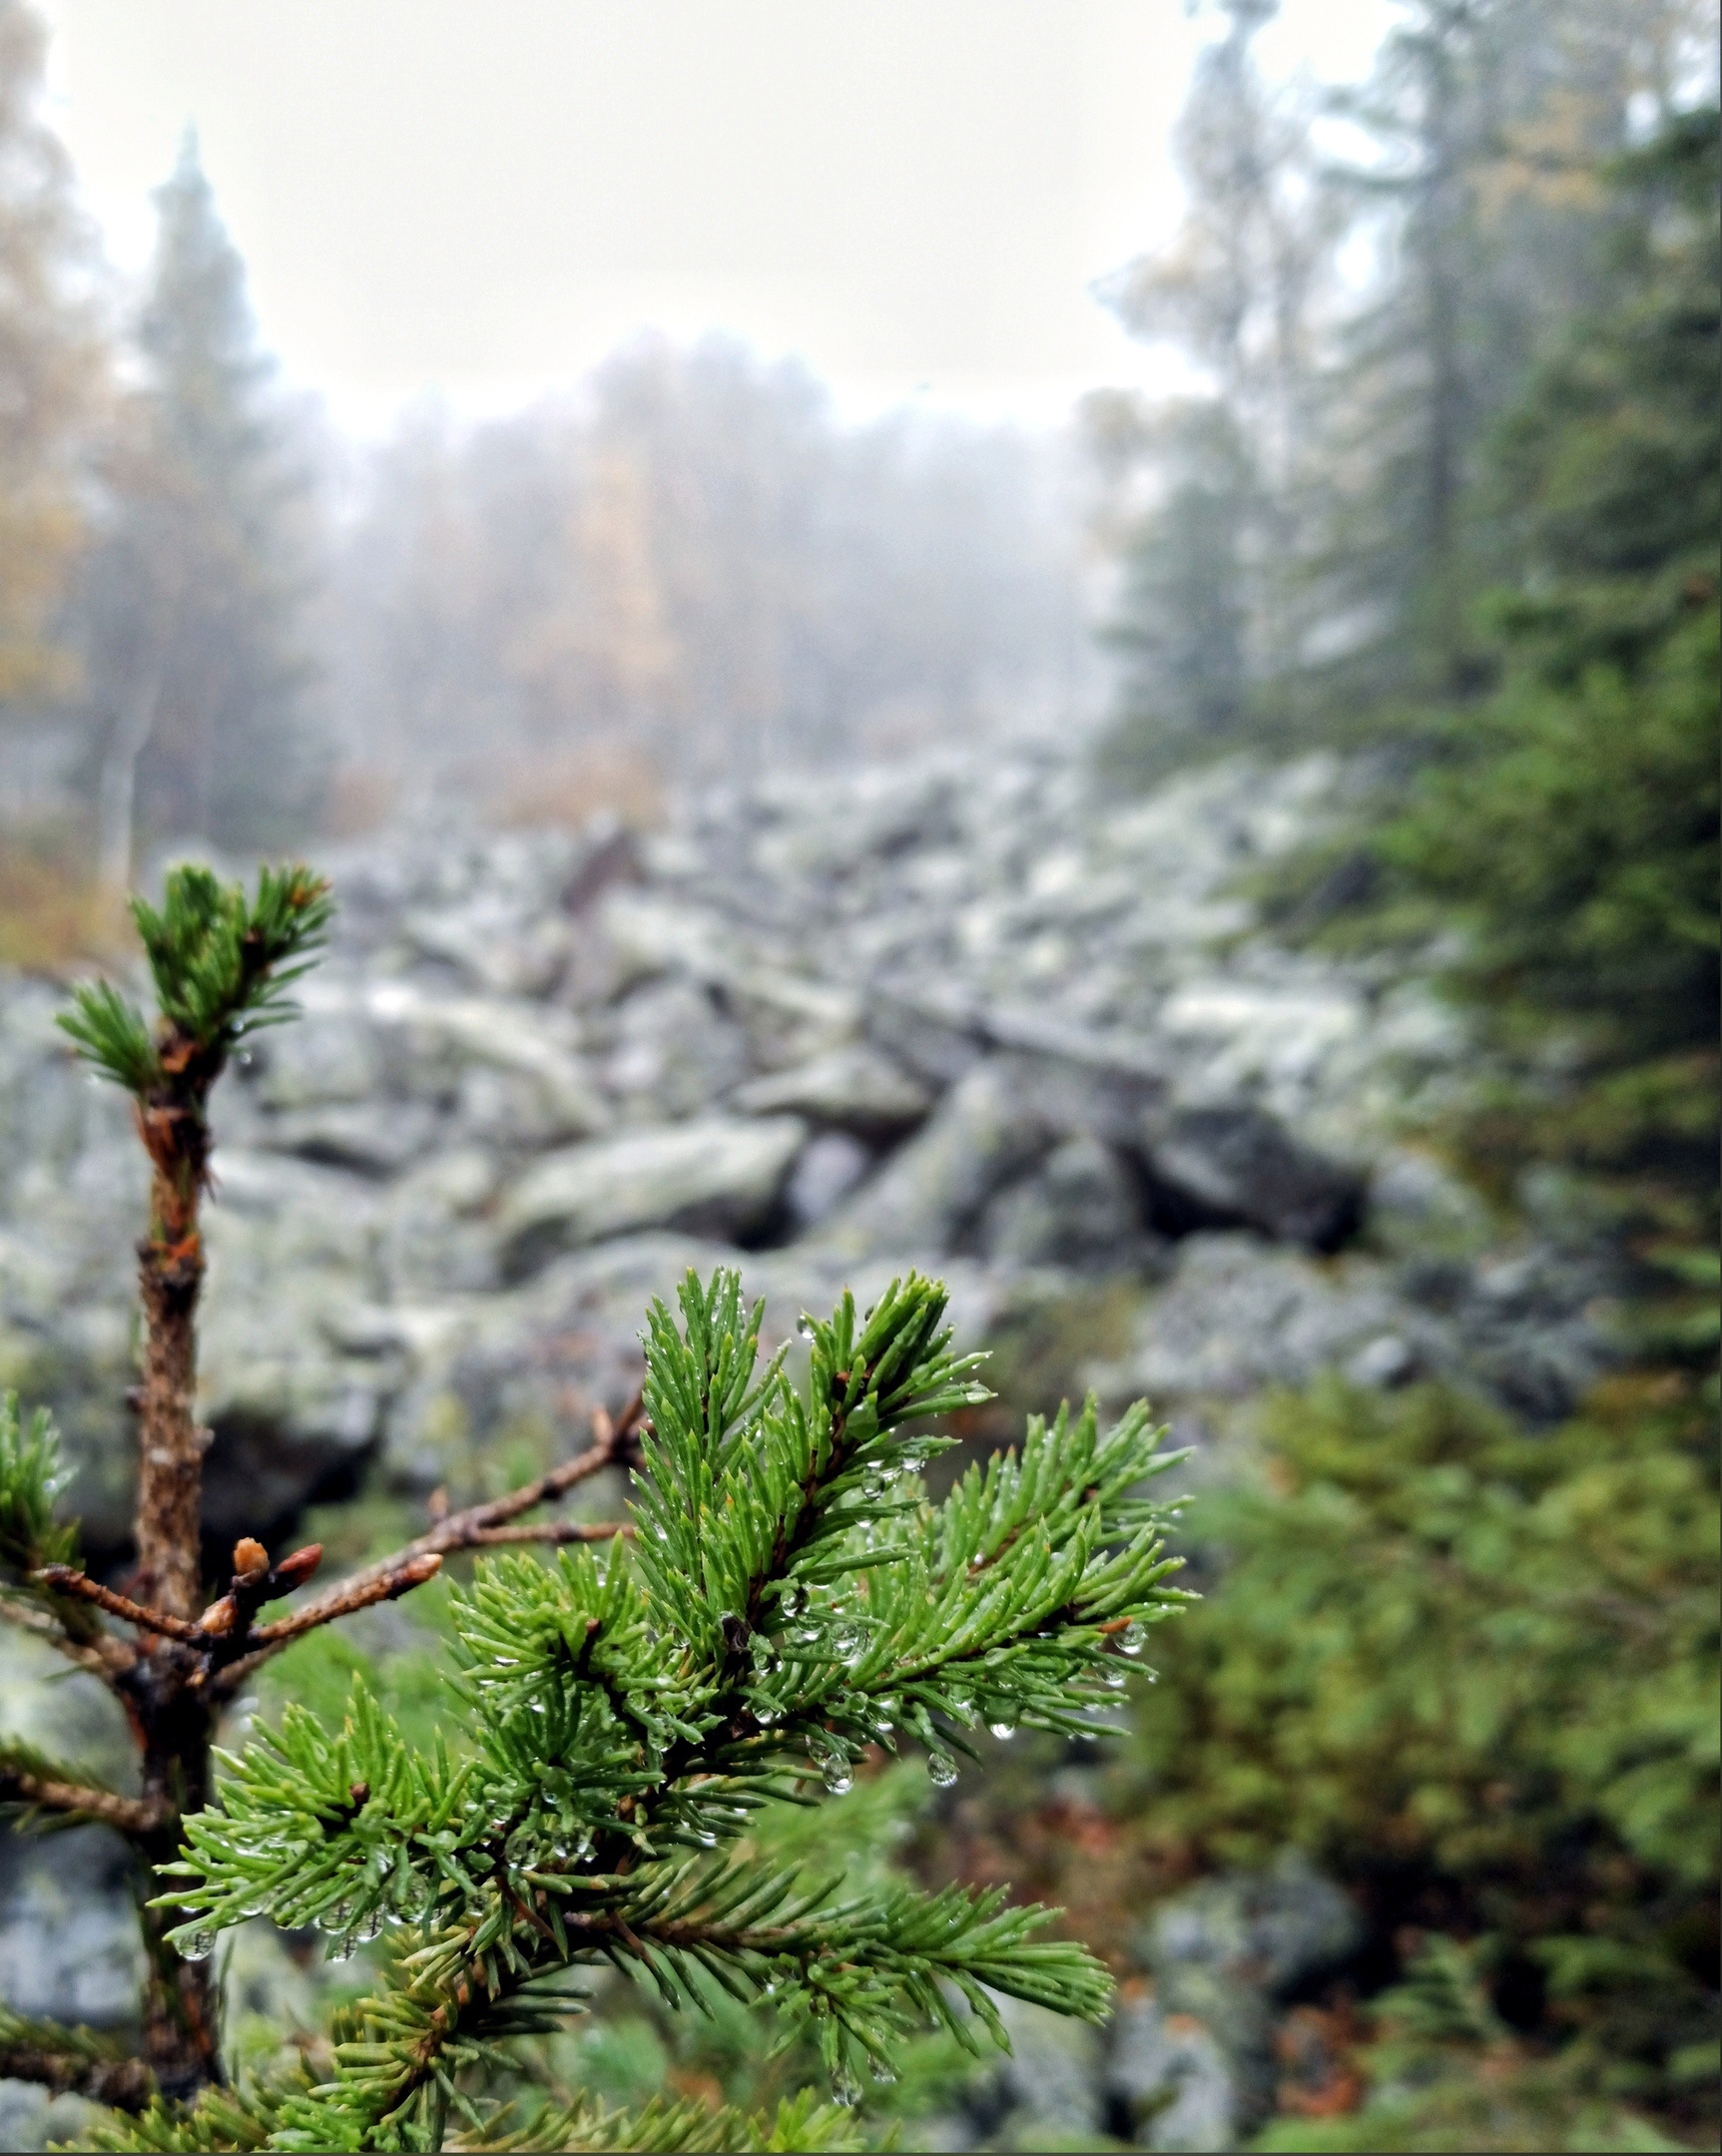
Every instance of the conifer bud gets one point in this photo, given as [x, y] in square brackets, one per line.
[249, 1557]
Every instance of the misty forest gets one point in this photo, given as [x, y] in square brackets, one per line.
[912, 1341]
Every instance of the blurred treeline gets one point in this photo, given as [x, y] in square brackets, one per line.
[1448, 498]
[1372, 290]
[223, 621]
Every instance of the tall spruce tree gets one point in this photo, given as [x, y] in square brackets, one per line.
[785, 1600]
[1209, 609]
[193, 607]
[1332, 483]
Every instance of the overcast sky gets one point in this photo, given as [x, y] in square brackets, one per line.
[913, 196]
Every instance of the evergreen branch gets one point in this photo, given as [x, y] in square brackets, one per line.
[668, 2128]
[31, 1782]
[352, 1595]
[217, 1631]
[221, 964]
[475, 1527]
[217, 961]
[32, 1479]
[236, 2117]
[792, 1598]
[111, 1037]
[73, 2063]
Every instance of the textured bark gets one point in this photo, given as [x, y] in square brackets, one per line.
[182, 2021]
[174, 1717]
[170, 1447]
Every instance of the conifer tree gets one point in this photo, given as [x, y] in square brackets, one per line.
[783, 1601]
[192, 602]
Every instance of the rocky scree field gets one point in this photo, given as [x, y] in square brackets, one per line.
[972, 1015]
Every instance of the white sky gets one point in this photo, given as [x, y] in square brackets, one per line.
[481, 201]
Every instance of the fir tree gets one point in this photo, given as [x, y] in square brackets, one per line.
[785, 1600]
[192, 602]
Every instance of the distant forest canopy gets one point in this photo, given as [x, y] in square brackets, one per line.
[1368, 285]
[692, 564]
[218, 620]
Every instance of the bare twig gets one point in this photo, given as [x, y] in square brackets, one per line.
[66, 1579]
[355, 1594]
[614, 1445]
[555, 1530]
[131, 1814]
[105, 1657]
[229, 1671]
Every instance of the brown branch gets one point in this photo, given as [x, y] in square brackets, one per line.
[131, 1814]
[66, 1579]
[353, 1594]
[104, 1657]
[225, 1677]
[477, 1527]
[555, 1530]
[84, 2068]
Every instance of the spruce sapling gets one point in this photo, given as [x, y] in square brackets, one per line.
[785, 1601]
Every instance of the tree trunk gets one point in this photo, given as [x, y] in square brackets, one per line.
[175, 1720]
[117, 785]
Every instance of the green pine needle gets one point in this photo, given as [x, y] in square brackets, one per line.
[221, 964]
[794, 1599]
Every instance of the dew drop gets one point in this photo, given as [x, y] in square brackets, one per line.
[846, 2088]
[1003, 1731]
[835, 1776]
[792, 1600]
[199, 1947]
[1113, 1679]
[765, 1714]
[882, 2072]
[805, 1326]
[848, 1642]
[1133, 1638]
[941, 1770]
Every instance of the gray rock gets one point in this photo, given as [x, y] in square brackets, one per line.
[1195, 2063]
[1238, 1313]
[718, 1174]
[1169, 2076]
[674, 1051]
[830, 1165]
[1271, 1929]
[1232, 1165]
[330, 1053]
[291, 1250]
[856, 1088]
[1418, 1208]
[376, 1137]
[69, 1948]
[1080, 1207]
[1047, 2090]
[435, 1039]
[935, 1188]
